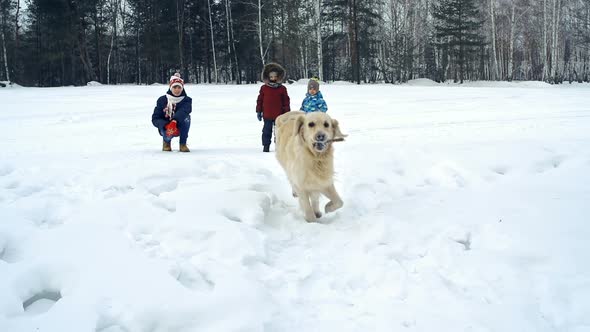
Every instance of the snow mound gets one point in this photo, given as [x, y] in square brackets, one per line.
[501, 84]
[302, 81]
[576, 84]
[422, 82]
[93, 83]
[342, 83]
[8, 84]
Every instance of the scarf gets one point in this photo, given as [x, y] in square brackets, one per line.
[171, 107]
[273, 85]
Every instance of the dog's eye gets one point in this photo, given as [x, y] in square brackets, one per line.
[326, 124]
[311, 124]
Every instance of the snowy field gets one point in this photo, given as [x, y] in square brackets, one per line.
[465, 209]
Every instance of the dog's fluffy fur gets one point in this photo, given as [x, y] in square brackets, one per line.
[304, 150]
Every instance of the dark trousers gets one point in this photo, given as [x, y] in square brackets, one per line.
[267, 131]
[183, 128]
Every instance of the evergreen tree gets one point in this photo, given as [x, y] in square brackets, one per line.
[458, 31]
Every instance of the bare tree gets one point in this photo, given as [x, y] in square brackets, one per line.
[114, 8]
[260, 31]
[81, 41]
[2, 22]
[555, 39]
[16, 34]
[213, 43]
[180, 8]
[229, 42]
[495, 73]
[318, 8]
[544, 43]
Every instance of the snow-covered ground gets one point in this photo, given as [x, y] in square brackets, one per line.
[465, 209]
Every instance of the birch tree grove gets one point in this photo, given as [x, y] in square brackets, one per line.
[72, 42]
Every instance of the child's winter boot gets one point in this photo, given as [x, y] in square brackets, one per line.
[166, 146]
[184, 148]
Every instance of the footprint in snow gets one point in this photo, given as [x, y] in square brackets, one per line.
[41, 302]
[114, 327]
[5, 170]
[115, 191]
[191, 278]
[8, 252]
[500, 170]
[157, 185]
[230, 215]
[549, 163]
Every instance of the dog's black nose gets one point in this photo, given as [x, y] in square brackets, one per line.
[320, 137]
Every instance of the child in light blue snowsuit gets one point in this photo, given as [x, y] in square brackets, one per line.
[314, 101]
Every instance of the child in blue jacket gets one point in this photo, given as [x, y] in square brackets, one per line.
[314, 101]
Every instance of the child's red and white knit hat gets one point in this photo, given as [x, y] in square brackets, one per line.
[176, 80]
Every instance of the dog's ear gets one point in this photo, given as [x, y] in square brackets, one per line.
[299, 121]
[338, 135]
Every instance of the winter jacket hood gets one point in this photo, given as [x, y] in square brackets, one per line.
[270, 67]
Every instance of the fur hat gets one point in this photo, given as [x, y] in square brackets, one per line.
[270, 67]
[314, 82]
[176, 80]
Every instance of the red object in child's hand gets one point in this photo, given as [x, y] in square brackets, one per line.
[171, 129]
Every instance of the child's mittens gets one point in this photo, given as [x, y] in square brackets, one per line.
[172, 129]
[259, 116]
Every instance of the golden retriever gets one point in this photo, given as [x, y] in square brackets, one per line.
[304, 150]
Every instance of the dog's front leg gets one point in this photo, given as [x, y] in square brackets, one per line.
[306, 207]
[315, 203]
[293, 190]
[335, 201]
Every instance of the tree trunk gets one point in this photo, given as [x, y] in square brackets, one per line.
[180, 29]
[354, 45]
[213, 43]
[233, 43]
[494, 71]
[90, 75]
[544, 43]
[586, 72]
[115, 4]
[97, 40]
[4, 47]
[318, 8]
[16, 39]
[511, 51]
[227, 25]
[260, 32]
[555, 41]
[137, 58]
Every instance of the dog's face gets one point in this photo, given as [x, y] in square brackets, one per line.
[318, 130]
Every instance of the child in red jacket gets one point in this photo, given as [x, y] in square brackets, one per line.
[273, 100]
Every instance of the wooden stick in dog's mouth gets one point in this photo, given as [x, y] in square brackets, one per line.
[335, 140]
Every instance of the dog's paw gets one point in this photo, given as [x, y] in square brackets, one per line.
[294, 194]
[310, 217]
[333, 206]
